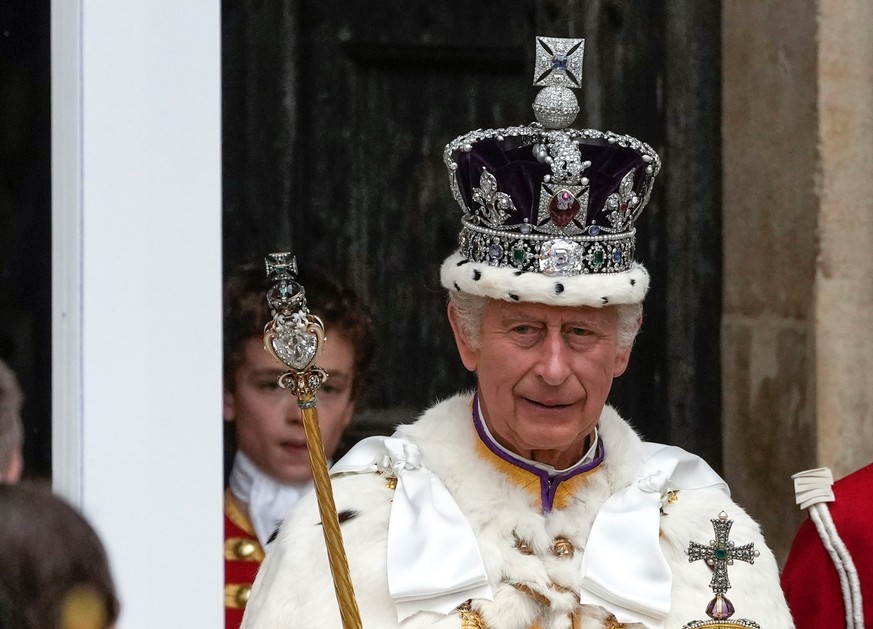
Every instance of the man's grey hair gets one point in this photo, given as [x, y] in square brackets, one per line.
[11, 431]
[470, 308]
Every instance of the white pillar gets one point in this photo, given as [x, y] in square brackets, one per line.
[136, 184]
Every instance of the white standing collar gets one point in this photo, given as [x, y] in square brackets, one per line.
[268, 501]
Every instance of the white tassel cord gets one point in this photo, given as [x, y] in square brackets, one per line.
[849, 583]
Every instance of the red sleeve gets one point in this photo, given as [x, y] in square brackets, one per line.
[810, 579]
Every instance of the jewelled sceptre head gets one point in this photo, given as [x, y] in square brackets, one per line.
[294, 335]
[295, 338]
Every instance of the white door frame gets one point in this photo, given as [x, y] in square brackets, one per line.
[136, 266]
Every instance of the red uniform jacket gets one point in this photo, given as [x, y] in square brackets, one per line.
[243, 555]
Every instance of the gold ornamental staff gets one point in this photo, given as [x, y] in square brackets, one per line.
[295, 337]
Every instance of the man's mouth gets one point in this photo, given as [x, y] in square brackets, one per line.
[293, 445]
[548, 404]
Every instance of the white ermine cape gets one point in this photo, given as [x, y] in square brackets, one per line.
[523, 567]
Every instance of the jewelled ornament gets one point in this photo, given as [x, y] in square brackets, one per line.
[718, 555]
[546, 185]
[294, 336]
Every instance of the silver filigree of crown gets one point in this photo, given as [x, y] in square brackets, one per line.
[560, 239]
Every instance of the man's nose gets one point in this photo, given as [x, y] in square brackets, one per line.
[293, 414]
[553, 362]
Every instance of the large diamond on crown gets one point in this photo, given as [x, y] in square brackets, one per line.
[560, 257]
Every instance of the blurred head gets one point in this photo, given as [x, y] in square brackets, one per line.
[267, 422]
[544, 372]
[11, 433]
[55, 572]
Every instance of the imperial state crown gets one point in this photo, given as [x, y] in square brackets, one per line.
[549, 211]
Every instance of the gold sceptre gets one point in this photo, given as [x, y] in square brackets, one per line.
[295, 337]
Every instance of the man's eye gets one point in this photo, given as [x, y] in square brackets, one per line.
[332, 389]
[580, 331]
[523, 329]
[270, 385]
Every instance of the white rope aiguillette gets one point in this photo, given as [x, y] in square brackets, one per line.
[813, 490]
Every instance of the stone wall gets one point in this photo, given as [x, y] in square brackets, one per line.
[844, 268]
[798, 248]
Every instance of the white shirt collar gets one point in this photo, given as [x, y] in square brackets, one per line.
[267, 499]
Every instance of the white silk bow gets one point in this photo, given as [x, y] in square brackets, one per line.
[623, 567]
[434, 562]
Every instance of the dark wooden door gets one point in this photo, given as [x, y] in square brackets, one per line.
[26, 218]
[335, 119]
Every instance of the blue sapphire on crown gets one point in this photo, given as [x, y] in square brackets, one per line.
[558, 62]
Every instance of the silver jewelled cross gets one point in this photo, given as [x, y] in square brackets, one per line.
[559, 62]
[279, 265]
[721, 553]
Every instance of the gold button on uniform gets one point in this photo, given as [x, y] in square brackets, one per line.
[242, 595]
[236, 595]
[244, 548]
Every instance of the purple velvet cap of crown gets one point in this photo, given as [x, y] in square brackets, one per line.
[520, 175]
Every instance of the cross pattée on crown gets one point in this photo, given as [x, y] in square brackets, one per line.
[558, 62]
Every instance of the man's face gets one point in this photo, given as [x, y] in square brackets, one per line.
[544, 373]
[269, 424]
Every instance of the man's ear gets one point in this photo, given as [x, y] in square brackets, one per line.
[469, 355]
[622, 358]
